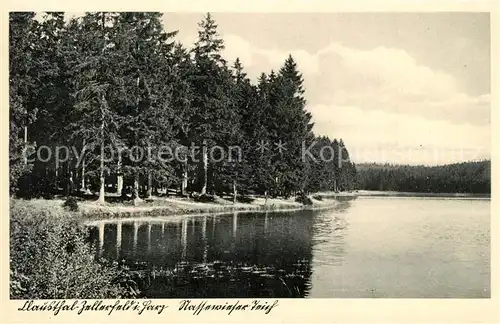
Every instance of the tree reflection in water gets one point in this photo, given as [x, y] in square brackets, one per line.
[228, 256]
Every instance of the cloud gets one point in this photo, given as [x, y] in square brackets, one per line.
[395, 70]
[187, 40]
[381, 136]
[259, 60]
[235, 47]
[391, 79]
[382, 99]
[379, 78]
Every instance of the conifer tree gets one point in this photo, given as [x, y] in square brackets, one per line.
[118, 80]
[145, 104]
[22, 67]
[215, 120]
[95, 85]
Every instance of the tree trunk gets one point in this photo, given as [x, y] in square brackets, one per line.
[119, 177]
[136, 186]
[83, 178]
[119, 185]
[137, 199]
[83, 188]
[205, 169]
[70, 183]
[149, 192]
[56, 183]
[102, 184]
[235, 192]
[184, 180]
[25, 157]
[266, 195]
[68, 172]
[101, 175]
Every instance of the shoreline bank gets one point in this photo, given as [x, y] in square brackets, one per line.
[381, 193]
[162, 217]
[90, 210]
[158, 207]
[370, 193]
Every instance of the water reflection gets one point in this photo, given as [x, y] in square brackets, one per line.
[241, 255]
[364, 248]
[330, 234]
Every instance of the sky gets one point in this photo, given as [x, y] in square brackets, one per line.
[396, 87]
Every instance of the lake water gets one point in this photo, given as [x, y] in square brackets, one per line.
[367, 247]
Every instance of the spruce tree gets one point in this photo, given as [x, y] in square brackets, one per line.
[145, 103]
[22, 80]
[215, 120]
[94, 85]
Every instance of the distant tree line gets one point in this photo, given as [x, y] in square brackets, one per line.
[119, 80]
[466, 177]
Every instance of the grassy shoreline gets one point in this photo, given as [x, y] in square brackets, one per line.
[172, 206]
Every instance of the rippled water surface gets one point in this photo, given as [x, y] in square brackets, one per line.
[368, 247]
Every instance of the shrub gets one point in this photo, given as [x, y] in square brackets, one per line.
[51, 260]
[204, 198]
[303, 199]
[48, 195]
[318, 197]
[71, 204]
[245, 199]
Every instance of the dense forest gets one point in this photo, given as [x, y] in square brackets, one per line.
[466, 177]
[92, 95]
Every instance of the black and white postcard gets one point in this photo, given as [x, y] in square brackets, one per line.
[235, 163]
